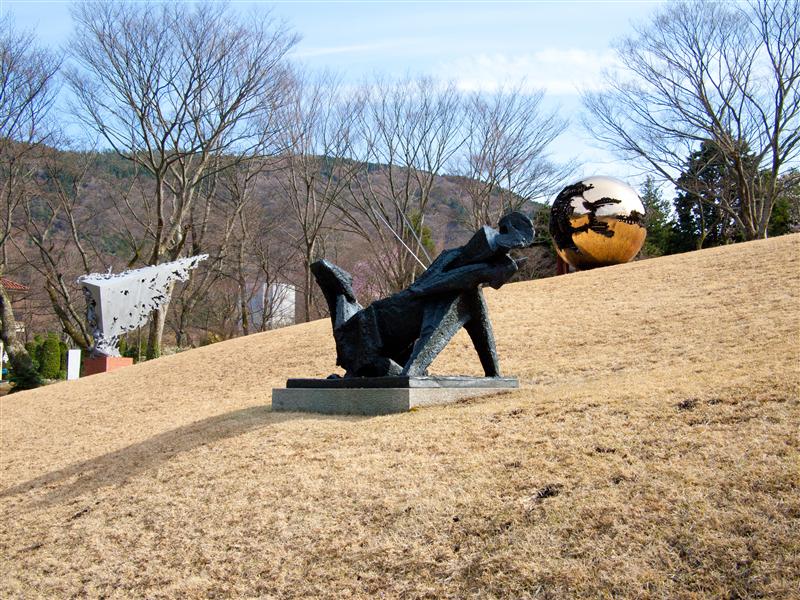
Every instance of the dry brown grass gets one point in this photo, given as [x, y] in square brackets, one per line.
[653, 452]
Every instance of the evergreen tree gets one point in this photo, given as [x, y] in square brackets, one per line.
[541, 225]
[422, 235]
[423, 232]
[706, 185]
[779, 220]
[38, 348]
[785, 217]
[64, 350]
[657, 219]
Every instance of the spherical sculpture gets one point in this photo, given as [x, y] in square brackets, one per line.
[597, 222]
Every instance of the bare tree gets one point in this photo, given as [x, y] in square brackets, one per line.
[240, 230]
[727, 75]
[318, 169]
[504, 162]
[172, 88]
[272, 257]
[245, 220]
[26, 94]
[410, 131]
[27, 91]
[57, 229]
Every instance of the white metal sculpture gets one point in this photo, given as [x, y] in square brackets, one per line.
[117, 304]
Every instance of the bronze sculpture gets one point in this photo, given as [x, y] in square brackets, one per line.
[402, 334]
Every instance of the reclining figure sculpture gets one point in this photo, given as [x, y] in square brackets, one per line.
[401, 335]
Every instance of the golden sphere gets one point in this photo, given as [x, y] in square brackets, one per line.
[596, 222]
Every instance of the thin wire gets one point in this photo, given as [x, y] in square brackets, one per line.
[398, 237]
[416, 237]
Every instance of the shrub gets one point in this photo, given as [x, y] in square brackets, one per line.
[50, 362]
[64, 350]
[128, 350]
[211, 338]
[33, 352]
[26, 380]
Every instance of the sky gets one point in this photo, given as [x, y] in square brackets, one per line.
[562, 47]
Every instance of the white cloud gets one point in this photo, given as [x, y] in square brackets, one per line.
[348, 49]
[557, 70]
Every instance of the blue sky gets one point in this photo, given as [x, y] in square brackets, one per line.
[558, 46]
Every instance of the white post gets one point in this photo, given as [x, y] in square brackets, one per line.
[73, 364]
[2, 359]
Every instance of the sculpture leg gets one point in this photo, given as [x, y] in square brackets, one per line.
[377, 367]
[440, 322]
[479, 328]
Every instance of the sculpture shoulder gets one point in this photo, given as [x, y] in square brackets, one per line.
[444, 260]
[345, 310]
[433, 274]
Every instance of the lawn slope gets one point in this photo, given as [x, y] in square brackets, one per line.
[653, 451]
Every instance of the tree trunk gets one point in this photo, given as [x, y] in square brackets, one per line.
[78, 337]
[242, 281]
[25, 376]
[307, 291]
[157, 326]
[243, 307]
[311, 249]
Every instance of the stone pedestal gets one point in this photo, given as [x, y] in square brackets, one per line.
[104, 364]
[382, 395]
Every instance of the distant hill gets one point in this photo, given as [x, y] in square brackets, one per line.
[652, 451]
[446, 215]
[112, 206]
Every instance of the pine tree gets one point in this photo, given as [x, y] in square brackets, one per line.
[785, 217]
[657, 219]
[706, 184]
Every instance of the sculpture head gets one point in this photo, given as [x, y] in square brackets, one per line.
[493, 247]
[515, 231]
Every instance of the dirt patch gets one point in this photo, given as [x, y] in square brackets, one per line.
[548, 491]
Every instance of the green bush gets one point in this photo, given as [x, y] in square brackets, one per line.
[128, 350]
[64, 350]
[38, 355]
[33, 352]
[50, 362]
[26, 380]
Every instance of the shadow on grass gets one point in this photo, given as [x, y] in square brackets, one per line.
[117, 467]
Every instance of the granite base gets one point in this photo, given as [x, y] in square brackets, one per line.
[382, 395]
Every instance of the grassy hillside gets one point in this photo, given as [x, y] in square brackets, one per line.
[653, 451]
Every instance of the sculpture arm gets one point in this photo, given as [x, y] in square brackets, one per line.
[465, 278]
